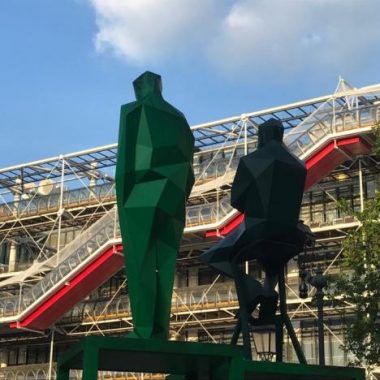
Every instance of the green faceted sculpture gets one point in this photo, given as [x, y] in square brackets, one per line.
[267, 189]
[154, 178]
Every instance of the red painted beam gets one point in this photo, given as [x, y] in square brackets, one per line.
[318, 166]
[227, 228]
[91, 277]
[332, 155]
[355, 146]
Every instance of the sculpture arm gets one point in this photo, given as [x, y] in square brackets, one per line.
[240, 187]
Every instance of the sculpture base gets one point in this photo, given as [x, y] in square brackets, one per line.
[184, 360]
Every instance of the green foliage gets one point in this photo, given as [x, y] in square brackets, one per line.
[359, 285]
[376, 133]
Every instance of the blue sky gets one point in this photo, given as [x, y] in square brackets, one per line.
[66, 66]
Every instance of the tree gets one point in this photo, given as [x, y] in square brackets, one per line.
[376, 135]
[359, 285]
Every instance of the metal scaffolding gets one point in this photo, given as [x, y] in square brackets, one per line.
[57, 215]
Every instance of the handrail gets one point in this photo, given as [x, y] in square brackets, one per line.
[51, 203]
[82, 250]
[184, 300]
[198, 297]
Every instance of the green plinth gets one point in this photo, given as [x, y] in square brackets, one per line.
[193, 360]
[184, 360]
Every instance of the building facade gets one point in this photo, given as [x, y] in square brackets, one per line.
[61, 267]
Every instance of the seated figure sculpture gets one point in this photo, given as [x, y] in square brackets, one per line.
[267, 189]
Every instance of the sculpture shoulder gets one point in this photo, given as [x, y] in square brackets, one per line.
[129, 107]
[162, 105]
[273, 151]
[157, 111]
[157, 102]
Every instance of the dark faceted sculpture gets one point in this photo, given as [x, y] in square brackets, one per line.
[267, 189]
[154, 178]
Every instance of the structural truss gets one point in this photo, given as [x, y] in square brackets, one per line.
[59, 225]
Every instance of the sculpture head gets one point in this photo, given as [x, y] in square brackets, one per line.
[147, 84]
[269, 131]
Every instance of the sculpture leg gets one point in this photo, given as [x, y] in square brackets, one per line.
[237, 331]
[90, 363]
[166, 265]
[279, 340]
[63, 373]
[151, 308]
[254, 292]
[243, 310]
[138, 231]
[142, 288]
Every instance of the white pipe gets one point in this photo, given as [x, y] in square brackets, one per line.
[51, 354]
[361, 186]
[61, 210]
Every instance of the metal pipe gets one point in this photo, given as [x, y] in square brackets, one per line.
[286, 320]
[60, 211]
[319, 282]
[321, 334]
[51, 354]
[361, 186]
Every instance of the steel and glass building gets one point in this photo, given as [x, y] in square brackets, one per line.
[61, 265]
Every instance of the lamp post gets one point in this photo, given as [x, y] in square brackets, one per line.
[264, 341]
[318, 281]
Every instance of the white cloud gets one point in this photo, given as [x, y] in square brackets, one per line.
[142, 30]
[288, 34]
[242, 35]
